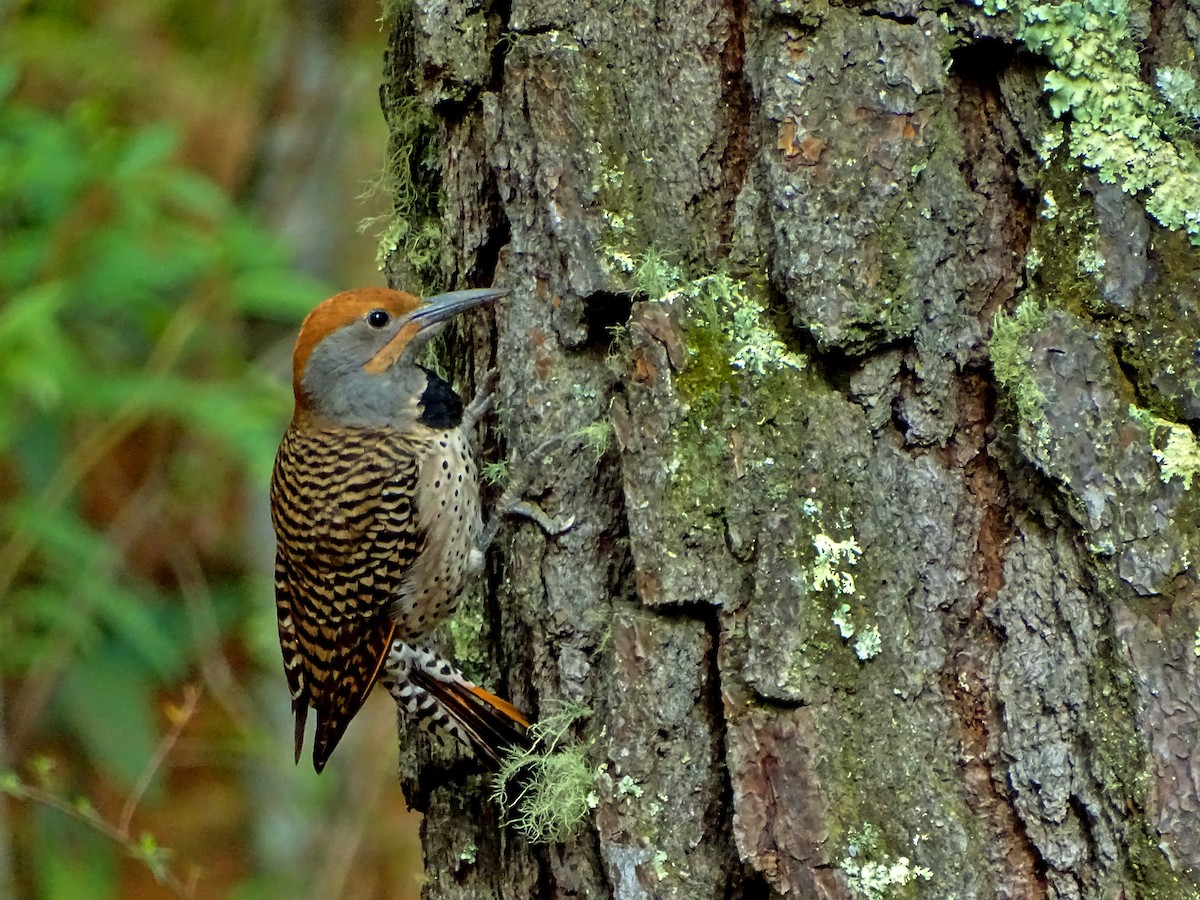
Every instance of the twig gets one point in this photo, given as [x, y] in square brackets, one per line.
[85, 814]
[143, 848]
[191, 697]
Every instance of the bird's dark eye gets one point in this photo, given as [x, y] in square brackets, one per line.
[378, 318]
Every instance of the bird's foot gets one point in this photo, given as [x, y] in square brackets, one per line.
[512, 502]
[482, 400]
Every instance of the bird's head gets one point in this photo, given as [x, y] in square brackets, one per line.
[355, 356]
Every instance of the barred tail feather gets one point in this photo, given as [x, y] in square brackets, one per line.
[489, 724]
[440, 698]
[300, 711]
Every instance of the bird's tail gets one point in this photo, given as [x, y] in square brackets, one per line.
[441, 699]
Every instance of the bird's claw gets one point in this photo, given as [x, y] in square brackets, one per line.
[511, 502]
[529, 510]
[482, 400]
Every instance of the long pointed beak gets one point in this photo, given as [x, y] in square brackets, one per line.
[421, 324]
[441, 307]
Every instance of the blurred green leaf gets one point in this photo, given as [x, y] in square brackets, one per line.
[66, 542]
[146, 149]
[154, 857]
[125, 280]
[195, 195]
[262, 292]
[135, 423]
[34, 360]
[38, 624]
[75, 862]
[157, 640]
[108, 701]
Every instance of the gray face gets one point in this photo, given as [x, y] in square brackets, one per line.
[339, 388]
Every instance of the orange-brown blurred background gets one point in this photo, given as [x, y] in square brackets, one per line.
[179, 183]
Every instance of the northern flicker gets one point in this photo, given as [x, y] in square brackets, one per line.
[377, 517]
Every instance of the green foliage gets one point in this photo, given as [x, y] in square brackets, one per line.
[547, 788]
[144, 332]
[44, 791]
[125, 280]
[1118, 126]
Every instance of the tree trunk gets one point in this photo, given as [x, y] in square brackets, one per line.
[876, 392]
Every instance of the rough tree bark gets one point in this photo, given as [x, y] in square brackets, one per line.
[864, 599]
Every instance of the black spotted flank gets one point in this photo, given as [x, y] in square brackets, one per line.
[440, 406]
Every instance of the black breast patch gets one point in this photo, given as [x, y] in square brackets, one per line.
[440, 406]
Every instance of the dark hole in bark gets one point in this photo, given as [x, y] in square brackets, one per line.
[602, 312]
[981, 61]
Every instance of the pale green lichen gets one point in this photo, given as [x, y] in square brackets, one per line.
[1049, 206]
[616, 201]
[841, 618]
[659, 861]
[738, 375]
[717, 300]
[1179, 455]
[469, 853]
[1179, 89]
[871, 874]
[723, 302]
[494, 473]
[654, 276]
[627, 787]
[869, 643]
[546, 788]
[831, 570]
[1089, 260]
[831, 567]
[1118, 126]
[467, 629]
[1033, 261]
[1011, 361]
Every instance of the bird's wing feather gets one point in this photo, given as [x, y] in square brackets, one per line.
[342, 504]
[293, 662]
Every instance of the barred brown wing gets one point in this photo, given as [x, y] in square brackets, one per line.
[342, 502]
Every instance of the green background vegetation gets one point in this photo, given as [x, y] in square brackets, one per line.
[147, 303]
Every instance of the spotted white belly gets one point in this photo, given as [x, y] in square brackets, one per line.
[448, 512]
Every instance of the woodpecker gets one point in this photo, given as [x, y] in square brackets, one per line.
[378, 524]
